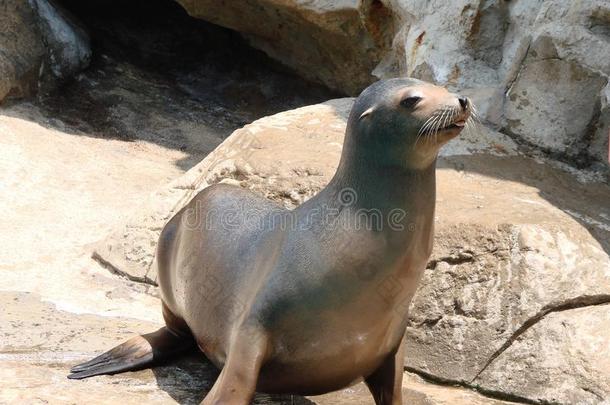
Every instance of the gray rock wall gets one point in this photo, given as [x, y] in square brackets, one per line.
[40, 46]
[538, 69]
[21, 49]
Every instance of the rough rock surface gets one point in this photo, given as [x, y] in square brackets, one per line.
[40, 46]
[67, 44]
[316, 38]
[504, 265]
[22, 49]
[552, 361]
[536, 67]
[493, 292]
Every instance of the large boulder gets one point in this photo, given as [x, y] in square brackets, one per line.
[40, 46]
[563, 358]
[520, 309]
[555, 113]
[536, 68]
[599, 142]
[338, 43]
[22, 49]
[555, 100]
[508, 268]
[68, 48]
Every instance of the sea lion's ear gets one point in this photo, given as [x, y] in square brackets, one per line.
[367, 112]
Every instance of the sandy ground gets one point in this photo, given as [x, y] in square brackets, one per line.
[62, 192]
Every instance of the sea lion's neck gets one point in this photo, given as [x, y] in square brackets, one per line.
[383, 187]
[395, 206]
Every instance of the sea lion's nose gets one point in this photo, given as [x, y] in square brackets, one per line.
[463, 102]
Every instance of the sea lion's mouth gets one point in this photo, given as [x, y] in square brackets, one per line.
[447, 123]
[460, 124]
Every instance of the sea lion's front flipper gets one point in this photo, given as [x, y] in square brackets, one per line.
[237, 381]
[386, 382]
[135, 354]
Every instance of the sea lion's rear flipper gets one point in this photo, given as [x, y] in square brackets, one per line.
[135, 354]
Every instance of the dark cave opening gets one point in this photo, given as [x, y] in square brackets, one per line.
[159, 75]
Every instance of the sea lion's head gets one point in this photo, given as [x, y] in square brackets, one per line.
[405, 121]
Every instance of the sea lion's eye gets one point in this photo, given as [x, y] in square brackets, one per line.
[410, 102]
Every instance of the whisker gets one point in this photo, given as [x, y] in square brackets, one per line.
[437, 126]
[454, 114]
[426, 127]
[433, 125]
[423, 128]
[450, 117]
[469, 127]
[441, 118]
[476, 121]
[441, 124]
[429, 129]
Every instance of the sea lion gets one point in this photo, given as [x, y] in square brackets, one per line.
[315, 299]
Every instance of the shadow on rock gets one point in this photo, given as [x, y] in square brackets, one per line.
[586, 203]
[188, 379]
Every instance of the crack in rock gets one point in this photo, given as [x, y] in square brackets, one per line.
[460, 258]
[115, 270]
[578, 302]
[498, 395]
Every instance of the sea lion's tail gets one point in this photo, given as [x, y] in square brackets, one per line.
[135, 354]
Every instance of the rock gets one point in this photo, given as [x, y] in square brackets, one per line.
[504, 262]
[22, 49]
[455, 45]
[554, 113]
[527, 63]
[67, 44]
[337, 43]
[40, 46]
[563, 358]
[487, 286]
[599, 144]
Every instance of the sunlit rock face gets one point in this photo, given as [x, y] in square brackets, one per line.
[537, 69]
